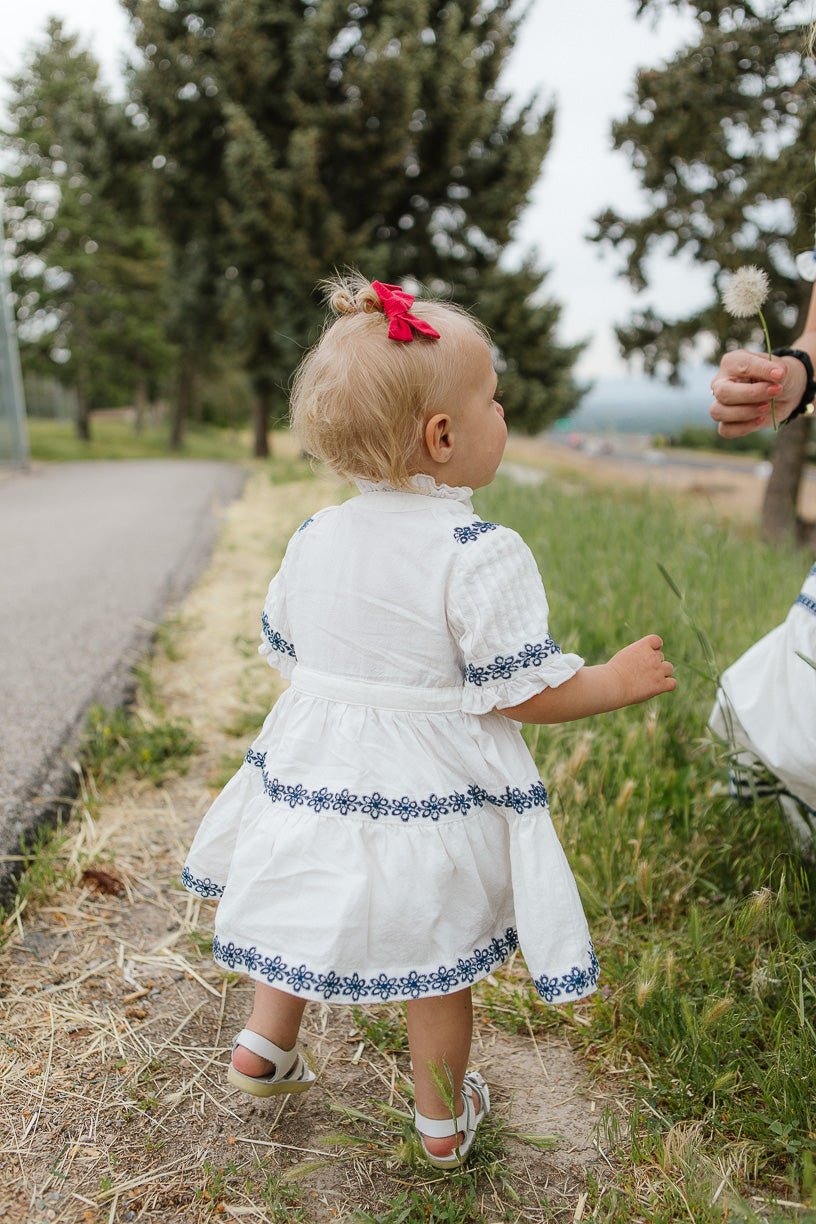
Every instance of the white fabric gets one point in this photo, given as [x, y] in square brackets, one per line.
[388, 835]
[766, 705]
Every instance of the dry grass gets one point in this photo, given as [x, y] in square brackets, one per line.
[116, 1023]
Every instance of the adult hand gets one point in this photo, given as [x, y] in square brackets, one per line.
[745, 385]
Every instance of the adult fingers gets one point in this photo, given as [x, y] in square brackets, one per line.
[741, 428]
[729, 393]
[741, 365]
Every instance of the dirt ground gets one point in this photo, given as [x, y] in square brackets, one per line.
[116, 1024]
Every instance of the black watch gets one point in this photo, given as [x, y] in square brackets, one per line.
[805, 407]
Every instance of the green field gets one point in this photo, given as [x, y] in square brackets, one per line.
[56, 441]
[701, 908]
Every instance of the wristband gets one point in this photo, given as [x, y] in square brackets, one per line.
[805, 407]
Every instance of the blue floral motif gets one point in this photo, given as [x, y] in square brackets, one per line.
[320, 800]
[355, 987]
[434, 806]
[504, 667]
[431, 807]
[464, 535]
[304, 525]
[806, 602]
[328, 984]
[414, 984]
[274, 967]
[375, 806]
[576, 982]
[252, 959]
[205, 888]
[275, 640]
[300, 978]
[344, 802]
[405, 808]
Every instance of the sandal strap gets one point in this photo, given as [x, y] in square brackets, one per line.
[284, 1060]
[441, 1128]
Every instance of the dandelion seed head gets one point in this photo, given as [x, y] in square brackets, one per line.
[745, 292]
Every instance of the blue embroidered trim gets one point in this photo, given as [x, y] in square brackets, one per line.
[576, 982]
[304, 525]
[377, 989]
[376, 805]
[476, 528]
[503, 666]
[807, 602]
[275, 640]
[204, 888]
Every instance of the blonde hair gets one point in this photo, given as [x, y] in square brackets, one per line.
[360, 400]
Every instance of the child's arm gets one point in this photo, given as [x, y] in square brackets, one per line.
[634, 674]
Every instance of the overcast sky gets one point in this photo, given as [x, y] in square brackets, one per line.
[581, 53]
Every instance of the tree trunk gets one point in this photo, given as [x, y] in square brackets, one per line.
[185, 397]
[83, 414]
[779, 518]
[260, 420]
[140, 404]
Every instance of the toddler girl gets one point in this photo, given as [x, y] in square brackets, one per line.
[388, 837]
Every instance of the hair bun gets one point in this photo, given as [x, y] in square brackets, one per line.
[351, 294]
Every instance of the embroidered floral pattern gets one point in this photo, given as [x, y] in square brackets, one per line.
[275, 640]
[805, 601]
[503, 667]
[354, 987]
[576, 982]
[376, 805]
[205, 888]
[464, 534]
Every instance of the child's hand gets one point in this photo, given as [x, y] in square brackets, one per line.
[641, 670]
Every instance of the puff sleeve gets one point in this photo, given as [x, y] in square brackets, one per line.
[277, 639]
[276, 633]
[498, 612]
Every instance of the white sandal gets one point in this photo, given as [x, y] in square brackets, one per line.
[292, 1073]
[466, 1123]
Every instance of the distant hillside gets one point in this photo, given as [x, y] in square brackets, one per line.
[642, 405]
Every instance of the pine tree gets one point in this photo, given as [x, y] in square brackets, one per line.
[87, 266]
[722, 139]
[332, 134]
[177, 89]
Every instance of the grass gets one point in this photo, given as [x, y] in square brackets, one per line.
[703, 914]
[56, 442]
[120, 741]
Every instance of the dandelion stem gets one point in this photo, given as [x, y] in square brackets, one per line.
[770, 355]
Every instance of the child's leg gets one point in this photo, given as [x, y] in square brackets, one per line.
[439, 1033]
[276, 1016]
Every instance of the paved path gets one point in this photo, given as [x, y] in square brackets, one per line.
[91, 554]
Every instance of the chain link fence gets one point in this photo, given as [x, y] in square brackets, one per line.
[13, 434]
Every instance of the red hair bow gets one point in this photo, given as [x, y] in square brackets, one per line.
[397, 307]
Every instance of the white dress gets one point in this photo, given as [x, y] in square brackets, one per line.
[388, 836]
[766, 705]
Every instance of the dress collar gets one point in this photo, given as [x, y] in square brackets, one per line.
[420, 483]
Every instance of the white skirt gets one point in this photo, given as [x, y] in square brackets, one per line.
[378, 843]
[766, 705]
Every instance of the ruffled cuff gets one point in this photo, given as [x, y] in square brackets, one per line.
[277, 651]
[506, 685]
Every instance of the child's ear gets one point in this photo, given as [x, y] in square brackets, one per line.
[438, 438]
